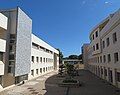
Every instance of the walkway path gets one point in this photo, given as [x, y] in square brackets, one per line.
[47, 85]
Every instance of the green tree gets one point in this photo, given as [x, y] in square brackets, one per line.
[73, 57]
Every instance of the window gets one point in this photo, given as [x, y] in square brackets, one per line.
[114, 37]
[97, 46]
[118, 76]
[9, 69]
[100, 59]
[12, 36]
[96, 33]
[109, 58]
[46, 68]
[11, 48]
[43, 69]
[37, 59]
[103, 44]
[32, 72]
[105, 71]
[93, 36]
[41, 59]
[108, 42]
[32, 58]
[11, 57]
[101, 70]
[11, 63]
[1, 56]
[36, 71]
[44, 59]
[115, 57]
[93, 48]
[104, 58]
[40, 70]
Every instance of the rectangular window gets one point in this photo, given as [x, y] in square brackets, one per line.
[118, 76]
[100, 59]
[109, 58]
[43, 69]
[37, 59]
[93, 48]
[116, 57]
[41, 59]
[36, 71]
[108, 42]
[105, 71]
[96, 34]
[104, 58]
[97, 46]
[114, 37]
[11, 57]
[40, 70]
[103, 44]
[44, 59]
[33, 59]
[9, 69]
[32, 72]
[101, 70]
[1, 56]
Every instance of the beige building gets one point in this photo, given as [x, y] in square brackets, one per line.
[102, 55]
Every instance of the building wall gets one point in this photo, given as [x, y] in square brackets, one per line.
[50, 60]
[23, 44]
[18, 34]
[100, 63]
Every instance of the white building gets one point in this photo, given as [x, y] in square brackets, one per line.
[103, 52]
[44, 58]
[23, 56]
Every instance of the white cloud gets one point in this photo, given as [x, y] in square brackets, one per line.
[106, 2]
[83, 2]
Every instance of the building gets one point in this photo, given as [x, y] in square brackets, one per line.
[23, 56]
[44, 58]
[85, 49]
[76, 62]
[102, 55]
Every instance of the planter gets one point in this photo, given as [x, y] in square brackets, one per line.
[70, 83]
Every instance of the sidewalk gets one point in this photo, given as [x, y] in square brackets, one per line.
[32, 87]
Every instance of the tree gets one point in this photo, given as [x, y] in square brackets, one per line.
[73, 57]
[80, 57]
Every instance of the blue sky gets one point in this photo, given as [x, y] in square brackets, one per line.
[64, 24]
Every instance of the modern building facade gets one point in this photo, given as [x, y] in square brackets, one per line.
[44, 58]
[102, 55]
[23, 56]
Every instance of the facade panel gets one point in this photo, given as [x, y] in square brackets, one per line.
[23, 44]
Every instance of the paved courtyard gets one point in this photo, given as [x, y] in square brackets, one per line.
[47, 85]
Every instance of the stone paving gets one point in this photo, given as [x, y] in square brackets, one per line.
[32, 87]
[46, 85]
